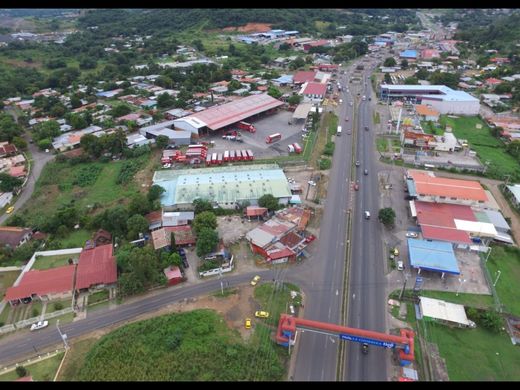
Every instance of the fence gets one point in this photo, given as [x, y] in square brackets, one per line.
[30, 321]
[216, 271]
[489, 280]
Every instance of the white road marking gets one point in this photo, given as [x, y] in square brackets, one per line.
[353, 296]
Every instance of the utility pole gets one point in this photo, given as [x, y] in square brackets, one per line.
[62, 335]
[220, 277]
[498, 276]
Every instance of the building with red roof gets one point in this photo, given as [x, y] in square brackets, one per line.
[96, 268]
[320, 42]
[303, 76]
[430, 53]
[43, 284]
[218, 117]
[18, 171]
[255, 211]
[173, 275]
[313, 91]
[428, 188]
[493, 81]
[281, 255]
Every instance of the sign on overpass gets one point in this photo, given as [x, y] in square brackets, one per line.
[379, 343]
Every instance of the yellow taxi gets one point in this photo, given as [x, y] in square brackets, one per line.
[10, 210]
[248, 323]
[262, 314]
[255, 280]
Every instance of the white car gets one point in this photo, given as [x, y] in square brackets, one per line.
[39, 325]
[400, 265]
[412, 235]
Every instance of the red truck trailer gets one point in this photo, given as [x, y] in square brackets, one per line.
[226, 156]
[246, 126]
[232, 156]
[273, 138]
[297, 148]
[250, 155]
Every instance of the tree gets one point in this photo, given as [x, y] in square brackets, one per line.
[139, 204]
[155, 192]
[162, 141]
[136, 224]
[297, 63]
[422, 74]
[8, 182]
[404, 64]
[294, 99]
[21, 371]
[491, 320]
[120, 110]
[78, 121]
[206, 219]
[20, 143]
[389, 62]
[411, 81]
[234, 85]
[165, 100]
[207, 240]
[175, 259]
[268, 201]
[387, 216]
[201, 205]
[173, 243]
[388, 79]
[75, 101]
[274, 92]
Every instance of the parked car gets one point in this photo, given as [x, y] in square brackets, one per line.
[248, 323]
[10, 210]
[255, 280]
[400, 265]
[39, 325]
[262, 314]
[411, 235]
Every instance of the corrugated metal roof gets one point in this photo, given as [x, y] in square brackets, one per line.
[96, 266]
[442, 310]
[432, 255]
[222, 184]
[217, 117]
[439, 186]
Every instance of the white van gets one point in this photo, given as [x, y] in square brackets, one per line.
[338, 133]
[367, 214]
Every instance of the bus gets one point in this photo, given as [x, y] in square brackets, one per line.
[338, 132]
[273, 138]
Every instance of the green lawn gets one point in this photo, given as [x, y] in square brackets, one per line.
[471, 354]
[507, 261]
[64, 303]
[41, 371]
[431, 130]
[76, 239]
[97, 297]
[473, 300]
[274, 301]
[5, 313]
[377, 119]
[6, 280]
[382, 144]
[46, 262]
[488, 148]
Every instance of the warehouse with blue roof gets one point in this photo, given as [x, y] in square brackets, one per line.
[436, 256]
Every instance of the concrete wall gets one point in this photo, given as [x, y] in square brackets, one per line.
[457, 108]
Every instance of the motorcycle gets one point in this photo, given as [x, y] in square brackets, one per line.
[365, 348]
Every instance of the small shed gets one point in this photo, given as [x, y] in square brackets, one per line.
[173, 275]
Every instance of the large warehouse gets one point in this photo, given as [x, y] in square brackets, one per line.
[223, 186]
[440, 97]
[218, 117]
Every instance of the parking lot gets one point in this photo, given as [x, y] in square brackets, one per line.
[270, 124]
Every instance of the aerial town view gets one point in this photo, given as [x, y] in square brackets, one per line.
[259, 194]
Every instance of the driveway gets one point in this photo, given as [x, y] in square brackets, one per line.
[39, 159]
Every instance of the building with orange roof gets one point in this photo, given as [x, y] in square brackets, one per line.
[424, 186]
[427, 113]
[420, 140]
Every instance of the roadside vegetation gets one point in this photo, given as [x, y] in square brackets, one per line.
[506, 259]
[44, 370]
[196, 345]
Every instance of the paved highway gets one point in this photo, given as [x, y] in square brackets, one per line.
[25, 343]
[367, 303]
[322, 279]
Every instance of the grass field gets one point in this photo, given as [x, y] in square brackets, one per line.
[488, 148]
[76, 239]
[382, 144]
[274, 301]
[196, 345]
[75, 359]
[97, 297]
[6, 280]
[476, 354]
[41, 371]
[46, 262]
[507, 261]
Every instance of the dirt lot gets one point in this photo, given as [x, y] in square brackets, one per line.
[250, 27]
[232, 228]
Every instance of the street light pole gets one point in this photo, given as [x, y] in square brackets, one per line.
[460, 286]
[498, 276]
[489, 252]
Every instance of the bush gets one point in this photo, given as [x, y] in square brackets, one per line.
[324, 163]
[35, 312]
[58, 306]
[21, 371]
[329, 148]
[127, 172]
[87, 176]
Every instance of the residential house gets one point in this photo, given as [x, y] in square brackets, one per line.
[427, 113]
[514, 191]
[314, 92]
[96, 268]
[102, 237]
[14, 236]
[173, 275]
